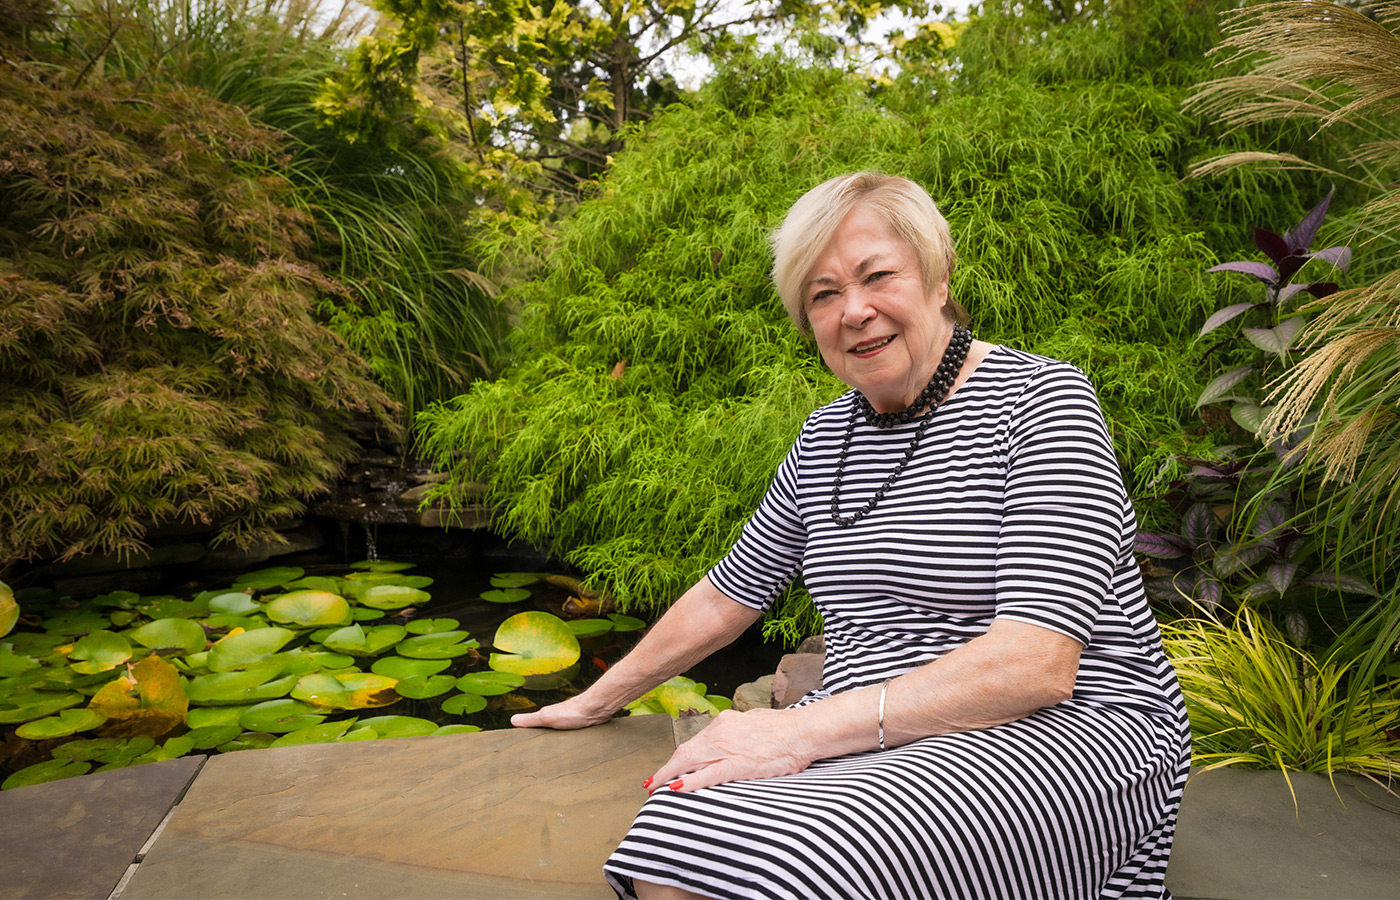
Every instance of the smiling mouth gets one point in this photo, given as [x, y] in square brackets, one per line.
[871, 346]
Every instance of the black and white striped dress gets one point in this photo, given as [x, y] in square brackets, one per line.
[1013, 506]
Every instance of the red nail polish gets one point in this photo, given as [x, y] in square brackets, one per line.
[676, 785]
[647, 783]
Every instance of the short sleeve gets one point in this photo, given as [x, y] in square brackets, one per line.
[1062, 520]
[769, 551]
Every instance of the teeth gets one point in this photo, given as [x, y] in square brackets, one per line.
[866, 348]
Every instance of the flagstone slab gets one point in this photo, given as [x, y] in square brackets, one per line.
[1240, 837]
[78, 837]
[498, 814]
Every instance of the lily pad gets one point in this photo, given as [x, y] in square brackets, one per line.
[393, 596]
[173, 608]
[249, 740]
[36, 705]
[676, 697]
[9, 609]
[509, 595]
[399, 667]
[464, 704]
[366, 614]
[171, 634]
[514, 579]
[261, 681]
[51, 770]
[91, 748]
[380, 565]
[457, 728]
[623, 623]
[490, 684]
[69, 721]
[535, 644]
[325, 733]
[100, 651]
[309, 609]
[432, 626]
[357, 640]
[245, 648]
[75, 622]
[123, 617]
[234, 602]
[316, 583]
[443, 645]
[304, 661]
[421, 687]
[356, 690]
[205, 717]
[12, 663]
[150, 699]
[264, 579]
[399, 726]
[589, 628]
[211, 736]
[373, 578]
[280, 716]
[359, 733]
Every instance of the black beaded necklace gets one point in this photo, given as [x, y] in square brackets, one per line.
[929, 398]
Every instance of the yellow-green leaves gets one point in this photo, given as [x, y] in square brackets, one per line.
[149, 700]
[536, 645]
[9, 609]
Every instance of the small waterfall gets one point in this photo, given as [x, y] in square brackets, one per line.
[371, 544]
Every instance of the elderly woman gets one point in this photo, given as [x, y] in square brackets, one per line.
[998, 718]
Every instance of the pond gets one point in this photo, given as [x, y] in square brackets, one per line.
[436, 636]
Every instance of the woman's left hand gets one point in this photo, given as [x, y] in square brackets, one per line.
[760, 743]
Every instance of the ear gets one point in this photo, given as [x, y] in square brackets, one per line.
[940, 295]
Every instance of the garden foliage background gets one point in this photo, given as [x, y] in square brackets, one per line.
[231, 231]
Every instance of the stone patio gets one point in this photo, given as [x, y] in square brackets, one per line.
[517, 814]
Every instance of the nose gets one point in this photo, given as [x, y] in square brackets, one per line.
[856, 309]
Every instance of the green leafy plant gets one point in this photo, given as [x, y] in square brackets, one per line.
[1257, 701]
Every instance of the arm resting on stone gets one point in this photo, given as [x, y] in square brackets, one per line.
[1003, 675]
[699, 623]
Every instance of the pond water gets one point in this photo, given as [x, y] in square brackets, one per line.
[451, 572]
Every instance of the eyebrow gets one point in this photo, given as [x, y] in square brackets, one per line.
[862, 267]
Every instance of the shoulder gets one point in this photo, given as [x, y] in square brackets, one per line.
[1019, 374]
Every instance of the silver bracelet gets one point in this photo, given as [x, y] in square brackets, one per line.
[884, 689]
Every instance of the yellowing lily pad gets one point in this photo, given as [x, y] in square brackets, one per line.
[355, 690]
[443, 645]
[171, 634]
[69, 721]
[398, 667]
[245, 648]
[149, 700]
[358, 640]
[432, 626]
[508, 595]
[9, 609]
[393, 596]
[264, 579]
[464, 704]
[534, 644]
[421, 687]
[490, 684]
[676, 697]
[280, 716]
[309, 609]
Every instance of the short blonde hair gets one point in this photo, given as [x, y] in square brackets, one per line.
[812, 221]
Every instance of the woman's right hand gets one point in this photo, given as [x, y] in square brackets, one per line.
[576, 712]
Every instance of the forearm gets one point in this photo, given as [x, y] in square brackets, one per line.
[700, 622]
[1008, 673]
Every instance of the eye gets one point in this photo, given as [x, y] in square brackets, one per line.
[823, 295]
[878, 276]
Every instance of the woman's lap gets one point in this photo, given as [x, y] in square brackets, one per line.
[1052, 805]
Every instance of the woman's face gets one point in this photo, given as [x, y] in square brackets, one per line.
[876, 326]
